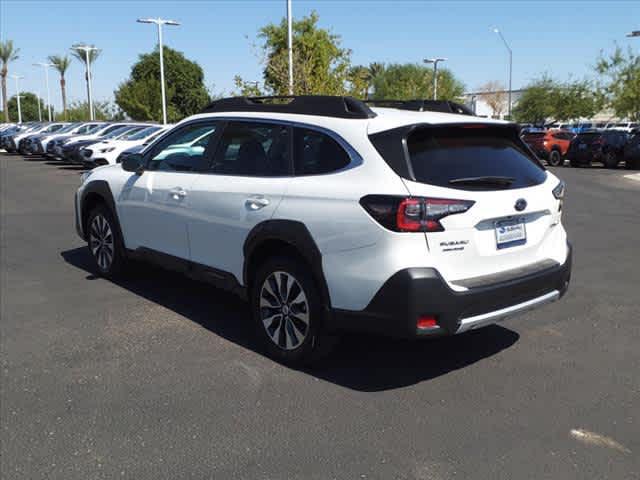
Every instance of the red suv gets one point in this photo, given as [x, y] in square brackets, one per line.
[551, 145]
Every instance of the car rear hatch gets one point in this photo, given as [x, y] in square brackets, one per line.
[585, 142]
[501, 203]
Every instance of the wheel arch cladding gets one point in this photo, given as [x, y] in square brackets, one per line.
[95, 193]
[286, 237]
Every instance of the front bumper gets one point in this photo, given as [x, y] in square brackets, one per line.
[416, 292]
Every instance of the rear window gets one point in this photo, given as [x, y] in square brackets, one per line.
[445, 156]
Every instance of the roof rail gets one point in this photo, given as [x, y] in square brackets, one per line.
[322, 105]
[443, 106]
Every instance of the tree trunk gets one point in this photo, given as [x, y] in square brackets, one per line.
[63, 88]
[5, 100]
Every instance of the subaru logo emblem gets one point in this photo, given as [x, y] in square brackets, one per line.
[521, 204]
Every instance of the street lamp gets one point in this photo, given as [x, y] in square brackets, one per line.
[46, 66]
[496, 30]
[17, 78]
[39, 109]
[159, 22]
[635, 33]
[290, 46]
[435, 73]
[87, 49]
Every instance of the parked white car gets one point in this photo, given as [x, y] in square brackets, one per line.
[624, 126]
[107, 152]
[329, 216]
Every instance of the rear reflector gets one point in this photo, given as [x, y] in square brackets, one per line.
[426, 322]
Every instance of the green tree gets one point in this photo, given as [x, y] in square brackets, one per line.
[411, 81]
[8, 53]
[79, 112]
[620, 72]
[359, 78]
[546, 99]
[28, 106]
[320, 64]
[61, 64]
[245, 88]
[140, 98]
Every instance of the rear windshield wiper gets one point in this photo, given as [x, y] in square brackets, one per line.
[488, 180]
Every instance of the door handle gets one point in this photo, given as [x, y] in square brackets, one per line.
[256, 203]
[178, 193]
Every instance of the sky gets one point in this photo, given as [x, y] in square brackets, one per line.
[561, 37]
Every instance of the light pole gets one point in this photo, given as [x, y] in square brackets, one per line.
[290, 46]
[159, 22]
[496, 30]
[17, 78]
[46, 66]
[435, 73]
[39, 109]
[87, 49]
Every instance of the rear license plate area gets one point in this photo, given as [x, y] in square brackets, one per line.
[510, 233]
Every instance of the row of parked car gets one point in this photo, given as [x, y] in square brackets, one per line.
[579, 127]
[609, 146]
[89, 144]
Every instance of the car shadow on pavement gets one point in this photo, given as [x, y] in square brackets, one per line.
[359, 362]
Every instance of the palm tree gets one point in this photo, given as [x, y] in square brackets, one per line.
[8, 53]
[61, 64]
[82, 56]
[375, 69]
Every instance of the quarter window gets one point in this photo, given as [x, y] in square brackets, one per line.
[317, 153]
[253, 149]
[185, 150]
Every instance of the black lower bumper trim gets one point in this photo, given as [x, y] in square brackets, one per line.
[415, 292]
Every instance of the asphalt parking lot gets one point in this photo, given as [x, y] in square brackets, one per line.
[158, 376]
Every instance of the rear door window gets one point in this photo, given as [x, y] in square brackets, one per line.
[445, 156]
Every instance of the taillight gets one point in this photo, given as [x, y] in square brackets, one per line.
[412, 214]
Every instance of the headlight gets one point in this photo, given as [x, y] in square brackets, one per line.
[105, 150]
[84, 176]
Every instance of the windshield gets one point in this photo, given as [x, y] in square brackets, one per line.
[131, 130]
[68, 128]
[141, 134]
[115, 132]
[93, 129]
[153, 137]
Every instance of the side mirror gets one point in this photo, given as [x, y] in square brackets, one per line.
[133, 163]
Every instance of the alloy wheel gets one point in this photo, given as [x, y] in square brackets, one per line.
[101, 242]
[284, 310]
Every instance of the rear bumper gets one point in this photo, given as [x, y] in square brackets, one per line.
[416, 292]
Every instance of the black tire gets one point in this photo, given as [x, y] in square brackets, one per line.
[299, 344]
[104, 242]
[555, 158]
[632, 164]
[610, 160]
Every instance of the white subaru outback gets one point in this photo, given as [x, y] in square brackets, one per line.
[329, 215]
